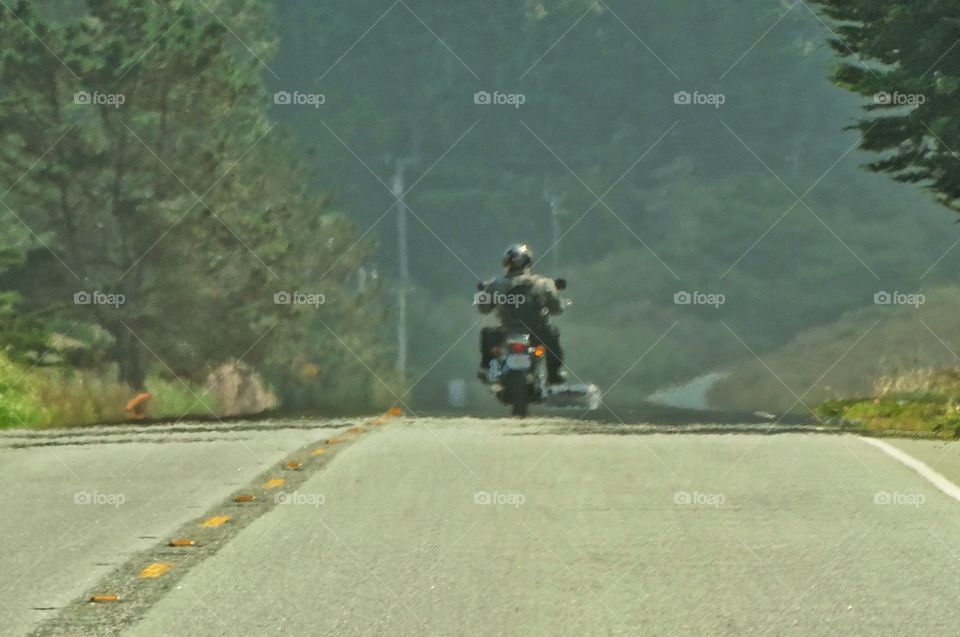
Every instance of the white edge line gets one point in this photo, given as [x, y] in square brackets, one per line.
[922, 468]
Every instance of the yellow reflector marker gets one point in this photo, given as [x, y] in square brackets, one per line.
[395, 411]
[105, 598]
[319, 451]
[273, 484]
[216, 520]
[244, 498]
[155, 570]
[182, 542]
[356, 430]
[293, 465]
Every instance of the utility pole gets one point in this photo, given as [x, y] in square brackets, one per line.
[398, 187]
[556, 211]
[403, 268]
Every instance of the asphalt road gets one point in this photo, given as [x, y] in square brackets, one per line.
[487, 527]
[77, 503]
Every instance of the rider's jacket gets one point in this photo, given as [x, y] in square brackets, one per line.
[522, 300]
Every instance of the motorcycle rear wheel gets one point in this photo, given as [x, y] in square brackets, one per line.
[517, 393]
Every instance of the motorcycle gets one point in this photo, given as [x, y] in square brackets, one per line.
[518, 375]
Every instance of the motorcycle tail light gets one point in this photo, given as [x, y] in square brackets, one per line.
[539, 351]
[518, 348]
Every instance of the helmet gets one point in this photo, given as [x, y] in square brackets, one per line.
[517, 257]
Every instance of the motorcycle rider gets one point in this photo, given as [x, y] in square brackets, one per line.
[524, 302]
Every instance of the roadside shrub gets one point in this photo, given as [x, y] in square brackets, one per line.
[63, 397]
[19, 406]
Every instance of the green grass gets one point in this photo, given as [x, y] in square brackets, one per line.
[63, 397]
[929, 412]
[18, 404]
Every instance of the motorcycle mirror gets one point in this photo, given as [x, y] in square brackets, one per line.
[560, 283]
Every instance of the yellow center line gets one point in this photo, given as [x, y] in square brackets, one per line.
[216, 520]
[157, 569]
[182, 542]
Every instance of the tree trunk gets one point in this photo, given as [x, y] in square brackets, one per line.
[127, 355]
